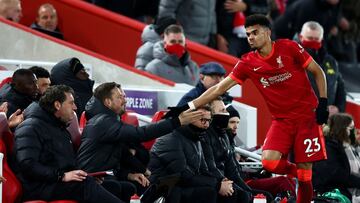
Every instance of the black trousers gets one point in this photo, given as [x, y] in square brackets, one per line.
[239, 196]
[86, 191]
[121, 189]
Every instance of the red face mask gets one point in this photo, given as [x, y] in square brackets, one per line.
[175, 49]
[311, 44]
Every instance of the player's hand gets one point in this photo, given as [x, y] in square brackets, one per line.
[190, 116]
[175, 111]
[322, 112]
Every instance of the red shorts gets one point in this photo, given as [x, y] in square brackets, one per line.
[303, 137]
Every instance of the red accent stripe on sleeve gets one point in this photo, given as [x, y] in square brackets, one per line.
[307, 62]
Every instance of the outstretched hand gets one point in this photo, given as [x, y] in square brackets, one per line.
[175, 111]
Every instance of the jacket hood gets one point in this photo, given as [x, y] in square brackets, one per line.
[94, 106]
[149, 34]
[172, 60]
[61, 73]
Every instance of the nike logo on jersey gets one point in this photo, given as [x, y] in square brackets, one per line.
[310, 155]
[256, 69]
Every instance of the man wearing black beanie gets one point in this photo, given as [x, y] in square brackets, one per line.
[151, 34]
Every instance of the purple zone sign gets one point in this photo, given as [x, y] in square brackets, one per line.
[142, 102]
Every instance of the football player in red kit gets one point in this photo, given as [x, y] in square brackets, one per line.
[277, 68]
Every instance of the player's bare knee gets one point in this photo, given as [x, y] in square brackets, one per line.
[270, 159]
[271, 155]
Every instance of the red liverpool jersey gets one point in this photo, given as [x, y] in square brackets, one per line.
[281, 78]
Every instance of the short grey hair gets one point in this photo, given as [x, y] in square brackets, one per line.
[313, 25]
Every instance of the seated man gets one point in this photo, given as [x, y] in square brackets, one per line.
[105, 136]
[151, 34]
[43, 78]
[219, 156]
[47, 21]
[45, 154]
[210, 74]
[11, 10]
[180, 153]
[21, 92]
[172, 60]
[71, 72]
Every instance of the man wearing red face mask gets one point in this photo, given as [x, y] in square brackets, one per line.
[171, 59]
[310, 38]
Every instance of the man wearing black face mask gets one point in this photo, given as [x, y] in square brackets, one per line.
[181, 153]
[310, 38]
[219, 155]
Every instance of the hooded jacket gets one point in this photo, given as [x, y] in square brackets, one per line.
[145, 53]
[44, 151]
[62, 74]
[15, 99]
[105, 136]
[182, 70]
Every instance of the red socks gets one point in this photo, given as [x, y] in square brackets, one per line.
[305, 189]
[281, 166]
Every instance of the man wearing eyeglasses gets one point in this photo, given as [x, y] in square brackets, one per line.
[181, 153]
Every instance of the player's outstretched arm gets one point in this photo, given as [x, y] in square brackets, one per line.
[213, 92]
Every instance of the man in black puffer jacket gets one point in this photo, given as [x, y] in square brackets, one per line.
[219, 155]
[45, 153]
[105, 136]
[180, 153]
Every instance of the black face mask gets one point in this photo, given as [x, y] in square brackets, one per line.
[352, 136]
[220, 120]
[196, 129]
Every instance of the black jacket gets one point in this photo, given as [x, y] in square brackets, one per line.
[335, 171]
[44, 152]
[180, 153]
[197, 91]
[220, 158]
[56, 33]
[335, 83]
[61, 74]
[15, 99]
[104, 137]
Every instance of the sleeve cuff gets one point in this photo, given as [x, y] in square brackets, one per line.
[175, 122]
